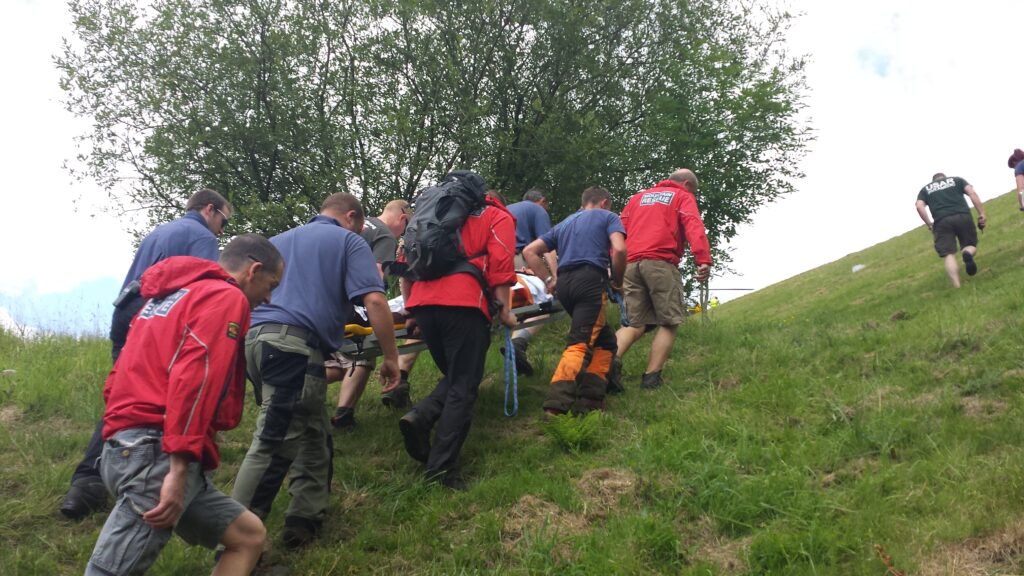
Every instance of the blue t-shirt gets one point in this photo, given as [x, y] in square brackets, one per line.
[583, 238]
[532, 221]
[186, 236]
[327, 269]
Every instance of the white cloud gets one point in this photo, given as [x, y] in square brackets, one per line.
[10, 325]
[899, 90]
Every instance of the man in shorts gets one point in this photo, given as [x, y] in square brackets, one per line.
[951, 222]
[382, 234]
[180, 379]
[194, 234]
[584, 241]
[659, 223]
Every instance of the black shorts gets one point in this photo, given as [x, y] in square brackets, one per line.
[952, 228]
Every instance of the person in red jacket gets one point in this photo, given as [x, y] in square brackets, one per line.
[659, 223]
[453, 314]
[181, 378]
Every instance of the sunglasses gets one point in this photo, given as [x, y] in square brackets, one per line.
[226, 219]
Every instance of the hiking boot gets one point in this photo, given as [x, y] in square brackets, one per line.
[416, 435]
[651, 381]
[397, 398]
[299, 532]
[344, 418]
[86, 495]
[972, 267]
[615, 377]
[450, 479]
[523, 366]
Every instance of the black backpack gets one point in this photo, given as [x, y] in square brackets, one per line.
[433, 242]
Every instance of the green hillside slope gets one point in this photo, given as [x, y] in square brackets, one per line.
[799, 428]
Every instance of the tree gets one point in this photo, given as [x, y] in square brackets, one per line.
[278, 102]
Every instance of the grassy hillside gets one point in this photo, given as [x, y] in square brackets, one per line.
[799, 428]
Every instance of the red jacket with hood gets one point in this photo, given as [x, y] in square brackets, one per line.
[660, 221]
[182, 369]
[492, 232]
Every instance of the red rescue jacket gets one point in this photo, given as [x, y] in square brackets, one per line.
[182, 368]
[492, 232]
[660, 221]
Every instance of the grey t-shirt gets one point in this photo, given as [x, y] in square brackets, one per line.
[381, 241]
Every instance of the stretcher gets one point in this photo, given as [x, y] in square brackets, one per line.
[361, 343]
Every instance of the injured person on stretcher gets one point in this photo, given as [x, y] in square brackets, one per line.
[531, 304]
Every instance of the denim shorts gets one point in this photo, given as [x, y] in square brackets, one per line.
[133, 467]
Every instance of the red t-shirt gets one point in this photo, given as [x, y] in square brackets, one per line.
[660, 221]
[491, 233]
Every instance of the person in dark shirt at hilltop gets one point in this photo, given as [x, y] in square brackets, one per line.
[951, 221]
[1016, 163]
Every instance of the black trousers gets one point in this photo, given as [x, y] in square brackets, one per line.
[458, 339]
[579, 381]
[119, 324]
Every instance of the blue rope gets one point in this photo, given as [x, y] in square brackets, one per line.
[510, 369]
[623, 313]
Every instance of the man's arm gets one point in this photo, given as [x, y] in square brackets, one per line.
[618, 259]
[532, 254]
[379, 315]
[969, 190]
[172, 495]
[694, 232]
[923, 213]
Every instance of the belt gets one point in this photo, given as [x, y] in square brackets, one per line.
[310, 337]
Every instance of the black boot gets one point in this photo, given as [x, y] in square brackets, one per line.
[651, 381]
[615, 376]
[86, 495]
[523, 366]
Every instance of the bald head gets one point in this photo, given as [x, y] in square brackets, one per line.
[685, 177]
[396, 216]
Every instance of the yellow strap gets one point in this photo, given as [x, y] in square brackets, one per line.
[353, 330]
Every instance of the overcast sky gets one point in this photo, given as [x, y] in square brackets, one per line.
[898, 90]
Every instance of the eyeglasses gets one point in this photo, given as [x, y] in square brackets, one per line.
[254, 259]
[226, 219]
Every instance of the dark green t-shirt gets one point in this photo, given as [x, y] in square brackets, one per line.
[945, 197]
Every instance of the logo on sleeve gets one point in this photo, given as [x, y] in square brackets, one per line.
[233, 330]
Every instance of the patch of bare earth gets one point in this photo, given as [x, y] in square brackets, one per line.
[726, 554]
[850, 471]
[975, 407]
[727, 383]
[602, 489]
[9, 414]
[999, 553]
[531, 515]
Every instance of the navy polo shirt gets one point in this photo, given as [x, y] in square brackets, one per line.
[327, 269]
[532, 221]
[583, 238]
[186, 236]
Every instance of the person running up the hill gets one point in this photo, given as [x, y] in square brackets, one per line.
[584, 241]
[180, 380]
[1016, 163]
[659, 223]
[194, 234]
[329, 270]
[951, 221]
[382, 234]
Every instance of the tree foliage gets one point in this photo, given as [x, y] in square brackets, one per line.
[277, 103]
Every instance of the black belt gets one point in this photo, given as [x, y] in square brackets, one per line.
[310, 337]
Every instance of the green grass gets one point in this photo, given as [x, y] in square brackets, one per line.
[800, 427]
